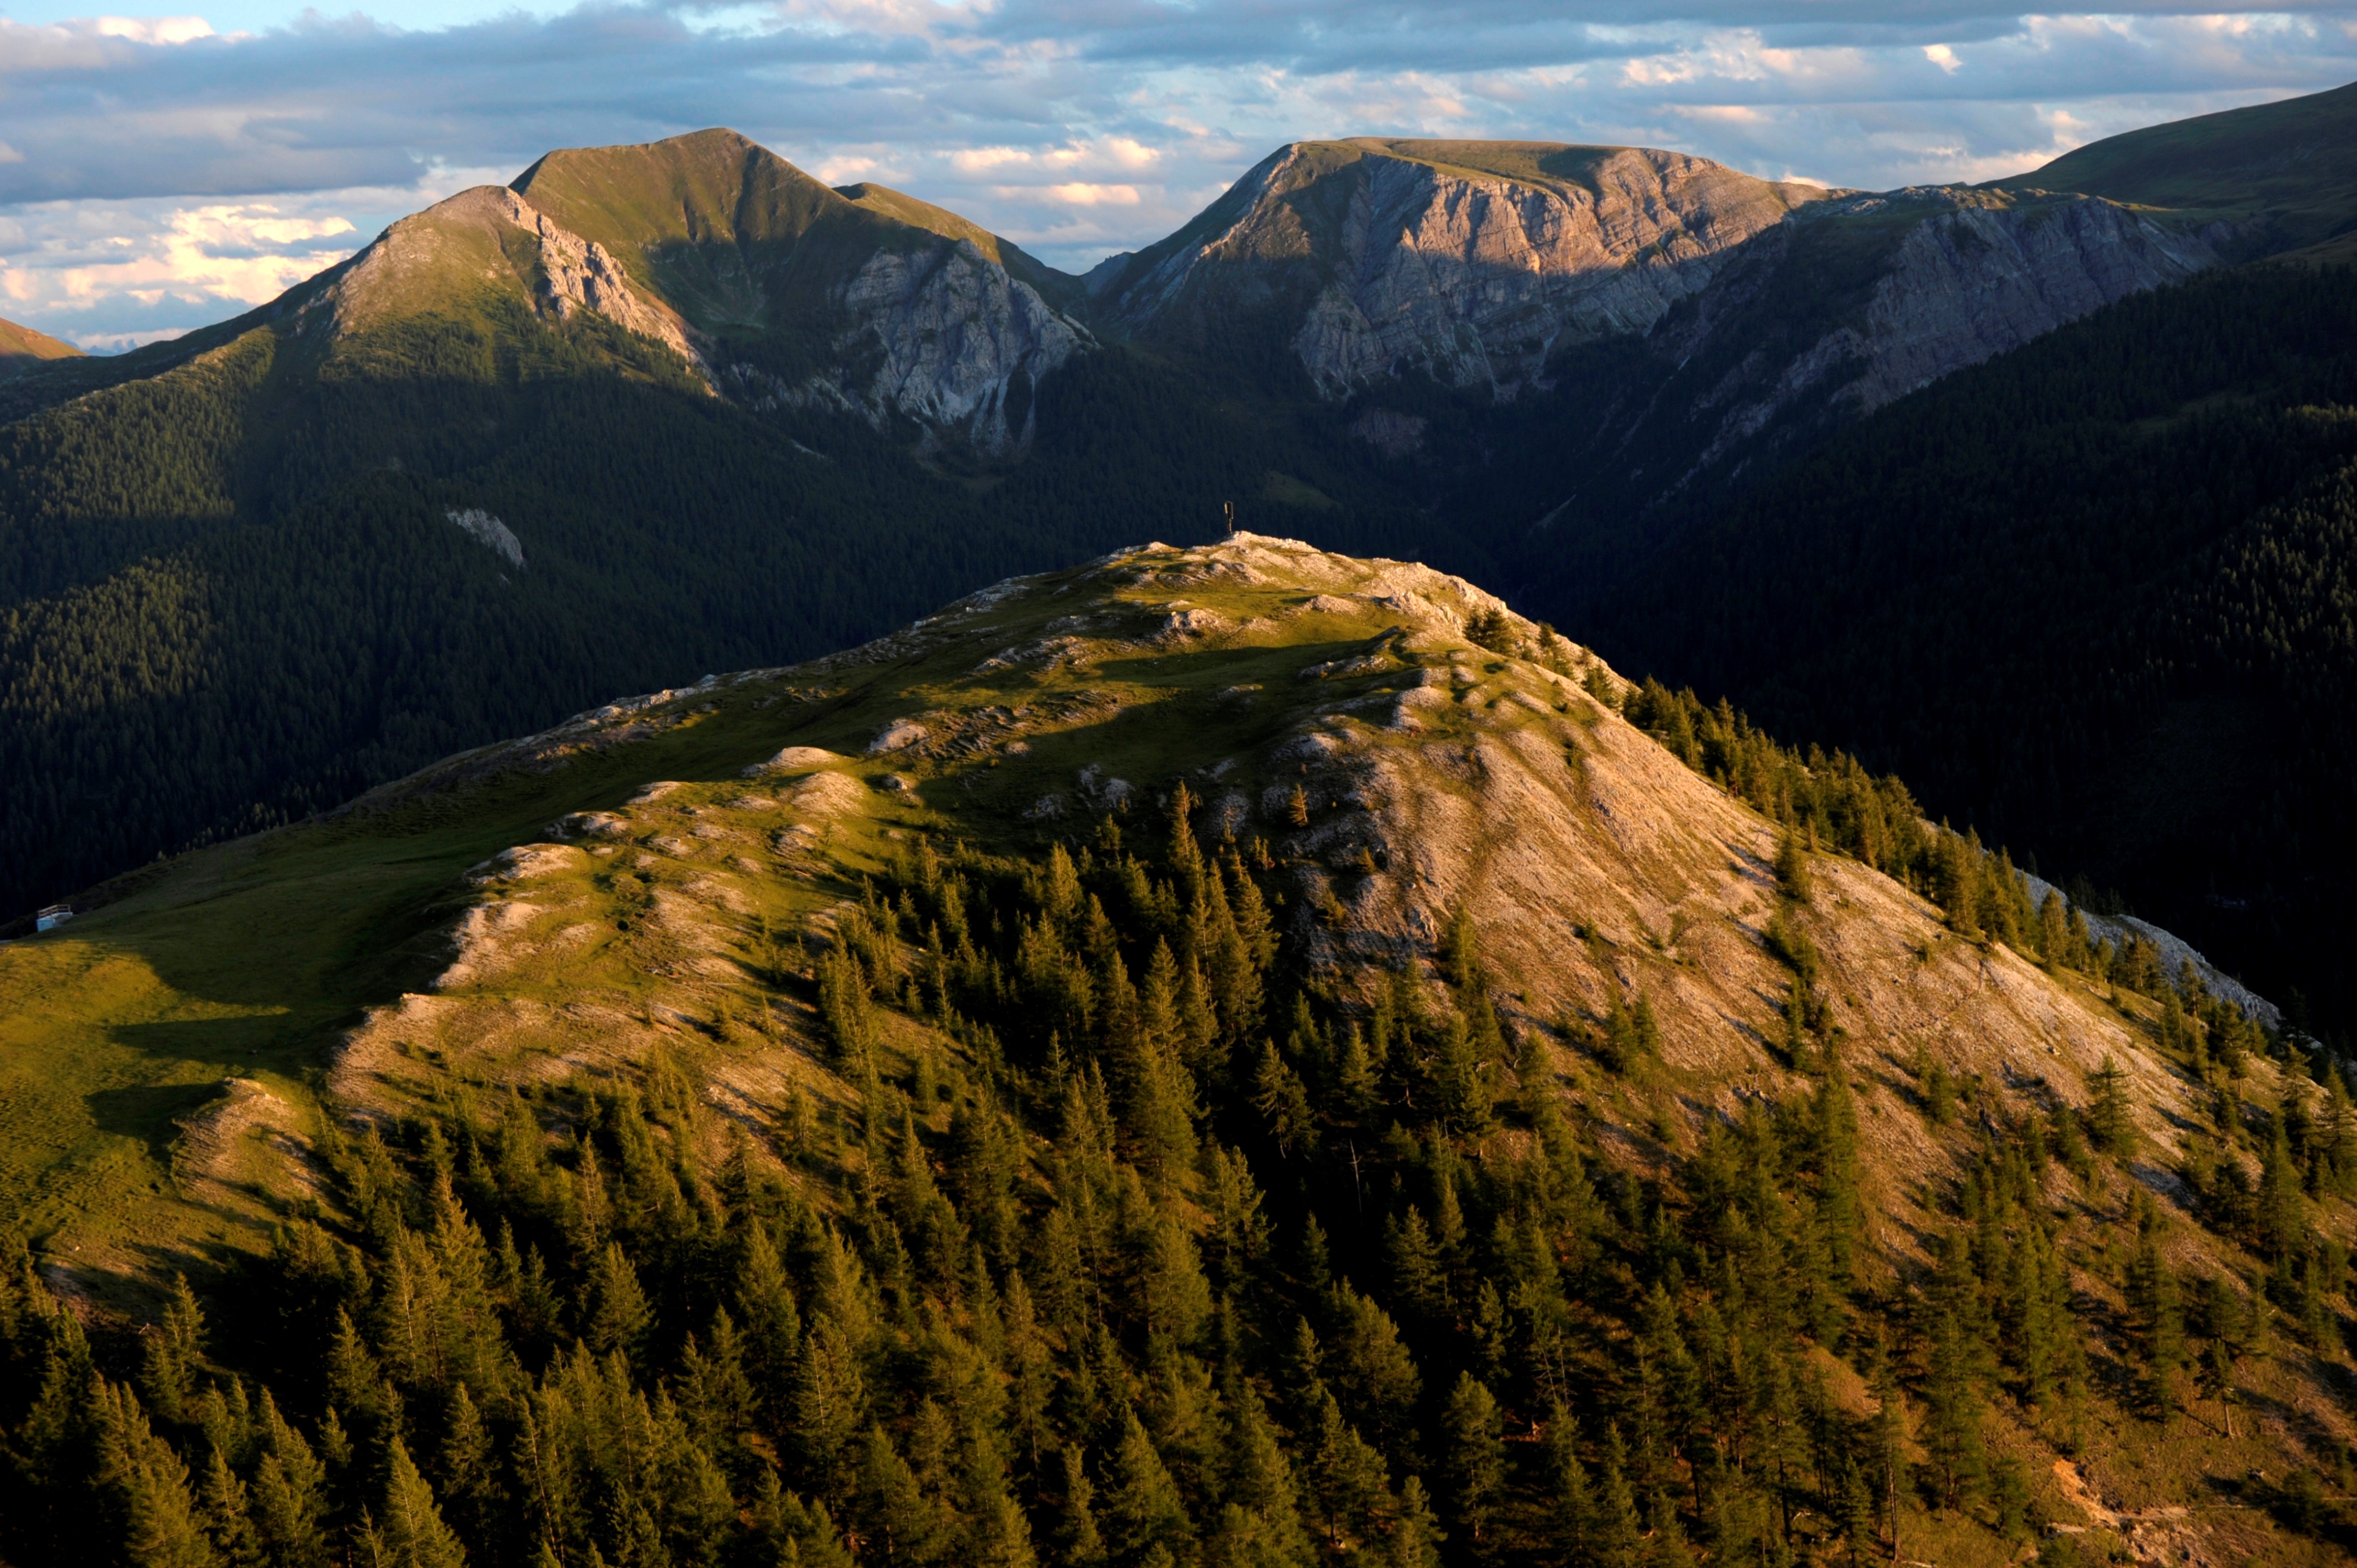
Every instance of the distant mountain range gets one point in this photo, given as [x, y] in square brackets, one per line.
[712, 413]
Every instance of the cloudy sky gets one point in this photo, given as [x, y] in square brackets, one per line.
[158, 172]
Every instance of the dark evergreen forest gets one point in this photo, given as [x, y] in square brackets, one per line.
[1141, 1244]
[2094, 597]
[233, 595]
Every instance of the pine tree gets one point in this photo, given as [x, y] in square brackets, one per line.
[1474, 1456]
[1142, 1505]
[899, 1521]
[1617, 1538]
[2108, 1122]
[1077, 1534]
[1854, 1501]
[411, 1527]
[1259, 1479]
[830, 1400]
[1952, 1429]
[619, 1316]
[228, 1513]
[1792, 877]
[1346, 1475]
[173, 1349]
[147, 1484]
[2154, 1325]
[1416, 1536]
[469, 1470]
[2216, 1372]
[289, 1496]
[1572, 1521]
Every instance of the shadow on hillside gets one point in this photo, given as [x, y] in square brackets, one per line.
[147, 1111]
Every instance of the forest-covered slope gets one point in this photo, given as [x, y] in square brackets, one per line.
[2094, 597]
[1214, 1056]
[234, 589]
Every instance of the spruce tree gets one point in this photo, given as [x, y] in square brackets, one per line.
[173, 1349]
[2108, 1122]
[1142, 1505]
[1473, 1458]
[1415, 1536]
[411, 1526]
[1077, 1535]
[1572, 1522]
[147, 1484]
[228, 1514]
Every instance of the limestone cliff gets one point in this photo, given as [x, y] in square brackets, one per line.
[490, 237]
[1469, 262]
[799, 295]
[1971, 275]
[943, 335]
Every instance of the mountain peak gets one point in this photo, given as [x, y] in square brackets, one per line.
[22, 348]
[1472, 261]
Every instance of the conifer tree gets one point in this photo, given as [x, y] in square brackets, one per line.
[289, 1498]
[173, 1351]
[2216, 1374]
[619, 1315]
[1618, 1538]
[411, 1530]
[1346, 1475]
[2108, 1122]
[228, 1514]
[147, 1483]
[1259, 1479]
[1855, 1502]
[1952, 1428]
[1415, 1536]
[1474, 1457]
[1792, 877]
[467, 1466]
[2154, 1324]
[1077, 1533]
[830, 1402]
[1142, 1505]
[901, 1522]
[1572, 1522]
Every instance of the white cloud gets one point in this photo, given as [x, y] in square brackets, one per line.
[1080, 194]
[1074, 127]
[154, 29]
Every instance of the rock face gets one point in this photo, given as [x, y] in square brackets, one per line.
[800, 296]
[943, 335]
[1971, 275]
[435, 259]
[1469, 262]
[1988, 276]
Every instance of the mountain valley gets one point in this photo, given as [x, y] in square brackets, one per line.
[1252, 1050]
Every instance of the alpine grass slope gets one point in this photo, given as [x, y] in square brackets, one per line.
[1229, 1055]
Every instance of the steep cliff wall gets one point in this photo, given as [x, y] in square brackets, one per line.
[941, 335]
[1469, 262]
[1968, 274]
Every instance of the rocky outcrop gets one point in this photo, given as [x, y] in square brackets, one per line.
[1990, 275]
[942, 334]
[579, 275]
[429, 261]
[1979, 272]
[1412, 260]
